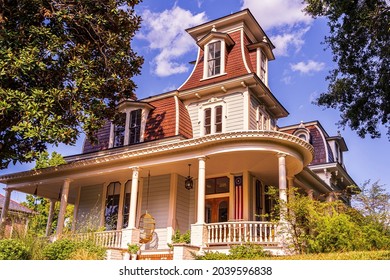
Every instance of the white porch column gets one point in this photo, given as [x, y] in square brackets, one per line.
[64, 203]
[131, 234]
[282, 185]
[4, 212]
[133, 198]
[201, 190]
[198, 230]
[50, 217]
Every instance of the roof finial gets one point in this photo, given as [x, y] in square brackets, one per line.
[213, 29]
[301, 125]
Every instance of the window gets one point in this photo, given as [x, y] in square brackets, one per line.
[214, 59]
[213, 120]
[263, 67]
[112, 205]
[263, 120]
[135, 126]
[119, 130]
[218, 118]
[217, 185]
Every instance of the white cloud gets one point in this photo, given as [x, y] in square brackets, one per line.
[286, 41]
[165, 32]
[288, 22]
[284, 12]
[308, 67]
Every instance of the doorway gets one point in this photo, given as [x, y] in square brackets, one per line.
[217, 210]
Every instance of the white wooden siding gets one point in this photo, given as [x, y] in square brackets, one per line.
[182, 206]
[235, 111]
[89, 210]
[252, 113]
[158, 199]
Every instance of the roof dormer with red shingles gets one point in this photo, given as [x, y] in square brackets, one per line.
[168, 118]
[241, 55]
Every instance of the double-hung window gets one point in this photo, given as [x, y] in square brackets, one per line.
[263, 67]
[120, 130]
[135, 126]
[213, 119]
[263, 120]
[214, 59]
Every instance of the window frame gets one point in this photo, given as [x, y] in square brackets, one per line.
[213, 126]
[263, 119]
[206, 74]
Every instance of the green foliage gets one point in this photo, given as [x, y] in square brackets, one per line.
[11, 249]
[247, 252]
[133, 248]
[66, 249]
[64, 66]
[181, 238]
[354, 255]
[312, 226]
[359, 39]
[44, 161]
[37, 224]
[237, 252]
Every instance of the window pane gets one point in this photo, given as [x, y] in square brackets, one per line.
[135, 126]
[210, 186]
[222, 185]
[119, 130]
[112, 205]
[214, 58]
[207, 121]
[218, 119]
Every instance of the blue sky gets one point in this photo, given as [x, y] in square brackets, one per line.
[296, 76]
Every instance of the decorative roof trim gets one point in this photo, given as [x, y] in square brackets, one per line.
[188, 144]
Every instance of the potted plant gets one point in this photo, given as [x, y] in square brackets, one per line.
[133, 250]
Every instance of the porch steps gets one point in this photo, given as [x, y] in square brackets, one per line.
[162, 254]
[115, 254]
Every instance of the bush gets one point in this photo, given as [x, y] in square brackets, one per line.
[237, 252]
[247, 252]
[11, 249]
[68, 249]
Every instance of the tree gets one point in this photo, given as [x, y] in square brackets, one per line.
[40, 205]
[64, 65]
[374, 203]
[359, 39]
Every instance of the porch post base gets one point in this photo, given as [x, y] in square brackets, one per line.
[130, 236]
[198, 235]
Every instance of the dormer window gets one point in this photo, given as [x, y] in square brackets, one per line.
[263, 67]
[135, 126]
[302, 132]
[119, 130]
[129, 126]
[214, 44]
[214, 58]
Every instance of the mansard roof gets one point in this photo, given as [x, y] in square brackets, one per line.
[167, 117]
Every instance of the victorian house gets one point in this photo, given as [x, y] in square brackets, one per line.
[199, 158]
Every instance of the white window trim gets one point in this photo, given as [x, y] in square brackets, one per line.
[206, 54]
[144, 116]
[211, 104]
[260, 109]
[260, 55]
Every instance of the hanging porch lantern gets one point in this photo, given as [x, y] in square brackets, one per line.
[189, 183]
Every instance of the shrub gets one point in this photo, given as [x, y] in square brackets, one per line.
[247, 252]
[67, 249]
[11, 249]
[181, 238]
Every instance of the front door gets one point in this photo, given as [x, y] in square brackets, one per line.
[217, 210]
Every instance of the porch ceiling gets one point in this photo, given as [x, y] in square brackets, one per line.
[228, 153]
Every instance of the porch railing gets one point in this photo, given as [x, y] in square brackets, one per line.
[108, 239]
[241, 232]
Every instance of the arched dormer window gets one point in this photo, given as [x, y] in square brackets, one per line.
[302, 133]
[214, 45]
[129, 126]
